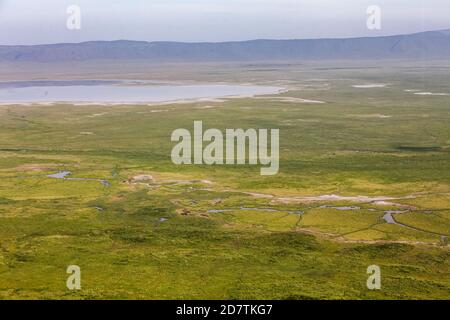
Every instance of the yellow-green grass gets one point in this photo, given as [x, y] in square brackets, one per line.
[116, 235]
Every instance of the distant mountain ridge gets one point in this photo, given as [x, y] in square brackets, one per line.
[426, 45]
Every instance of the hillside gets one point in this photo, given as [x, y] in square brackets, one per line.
[427, 45]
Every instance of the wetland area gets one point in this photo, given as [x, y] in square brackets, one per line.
[86, 179]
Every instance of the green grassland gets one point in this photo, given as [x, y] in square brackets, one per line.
[205, 232]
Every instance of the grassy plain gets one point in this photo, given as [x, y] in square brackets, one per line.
[158, 238]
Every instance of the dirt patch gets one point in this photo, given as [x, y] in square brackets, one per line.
[430, 94]
[36, 167]
[208, 107]
[381, 200]
[291, 100]
[368, 116]
[259, 195]
[142, 178]
[369, 86]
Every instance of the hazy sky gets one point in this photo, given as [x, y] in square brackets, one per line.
[44, 21]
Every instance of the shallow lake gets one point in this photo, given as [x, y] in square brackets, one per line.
[95, 91]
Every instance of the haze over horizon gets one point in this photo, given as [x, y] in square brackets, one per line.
[44, 22]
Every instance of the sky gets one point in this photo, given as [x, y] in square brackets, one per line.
[45, 21]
